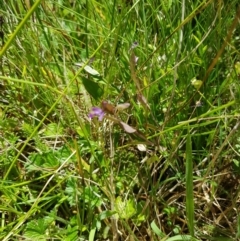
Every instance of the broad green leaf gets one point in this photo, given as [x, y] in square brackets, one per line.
[93, 88]
[156, 230]
[182, 238]
[106, 214]
[72, 233]
[53, 129]
[92, 234]
[43, 160]
[36, 230]
[125, 208]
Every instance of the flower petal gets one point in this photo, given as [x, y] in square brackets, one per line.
[96, 111]
[100, 117]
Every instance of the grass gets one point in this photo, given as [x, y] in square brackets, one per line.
[165, 168]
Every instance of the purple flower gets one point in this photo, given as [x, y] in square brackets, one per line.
[96, 111]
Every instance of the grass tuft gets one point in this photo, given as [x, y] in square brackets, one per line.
[119, 120]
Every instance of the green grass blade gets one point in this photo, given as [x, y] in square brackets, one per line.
[19, 27]
[189, 185]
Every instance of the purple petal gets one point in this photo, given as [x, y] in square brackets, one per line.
[100, 117]
[96, 111]
[91, 115]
